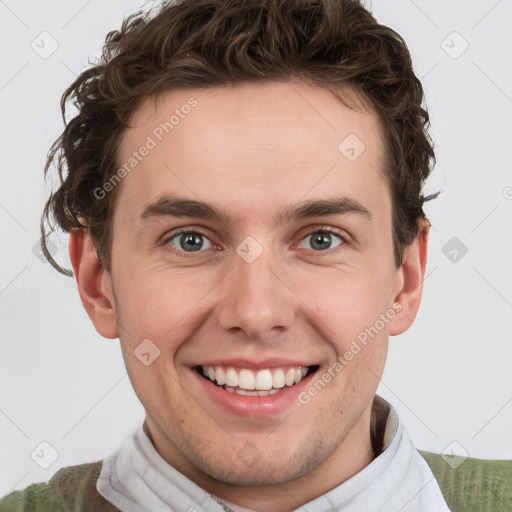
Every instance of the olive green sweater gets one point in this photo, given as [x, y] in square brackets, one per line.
[475, 486]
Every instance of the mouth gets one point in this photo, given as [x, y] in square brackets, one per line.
[262, 382]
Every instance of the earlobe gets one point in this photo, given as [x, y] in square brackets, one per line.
[94, 283]
[411, 276]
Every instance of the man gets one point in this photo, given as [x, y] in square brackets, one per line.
[244, 199]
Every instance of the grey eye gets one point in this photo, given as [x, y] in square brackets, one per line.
[321, 240]
[189, 242]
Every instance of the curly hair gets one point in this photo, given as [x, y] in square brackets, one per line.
[207, 43]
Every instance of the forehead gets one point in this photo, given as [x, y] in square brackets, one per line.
[250, 147]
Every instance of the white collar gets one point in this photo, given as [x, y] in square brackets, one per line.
[137, 479]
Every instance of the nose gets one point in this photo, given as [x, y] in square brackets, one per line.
[256, 299]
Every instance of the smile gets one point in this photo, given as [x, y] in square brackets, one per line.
[263, 382]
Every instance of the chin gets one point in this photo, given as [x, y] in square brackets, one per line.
[269, 469]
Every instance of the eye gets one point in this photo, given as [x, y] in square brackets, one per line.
[189, 241]
[322, 240]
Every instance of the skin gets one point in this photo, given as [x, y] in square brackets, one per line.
[269, 149]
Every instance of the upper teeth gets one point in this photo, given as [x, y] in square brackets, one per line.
[261, 380]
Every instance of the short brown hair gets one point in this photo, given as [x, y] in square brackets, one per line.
[203, 43]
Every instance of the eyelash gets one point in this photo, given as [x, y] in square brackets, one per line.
[323, 230]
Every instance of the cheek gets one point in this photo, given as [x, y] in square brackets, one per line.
[346, 305]
[156, 302]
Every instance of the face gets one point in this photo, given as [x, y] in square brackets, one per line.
[250, 247]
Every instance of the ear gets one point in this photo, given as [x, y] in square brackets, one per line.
[94, 283]
[410, 278]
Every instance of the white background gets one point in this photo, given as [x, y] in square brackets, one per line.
[449, 376]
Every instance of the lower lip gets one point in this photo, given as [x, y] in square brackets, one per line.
[255, 406]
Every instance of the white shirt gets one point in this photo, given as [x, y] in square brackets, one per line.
[137, 479]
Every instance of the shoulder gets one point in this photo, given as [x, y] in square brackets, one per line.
[71, 488]
[472, 484]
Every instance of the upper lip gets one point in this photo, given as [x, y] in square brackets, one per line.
[251, 364]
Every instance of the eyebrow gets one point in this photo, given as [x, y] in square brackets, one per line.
[173, 206]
